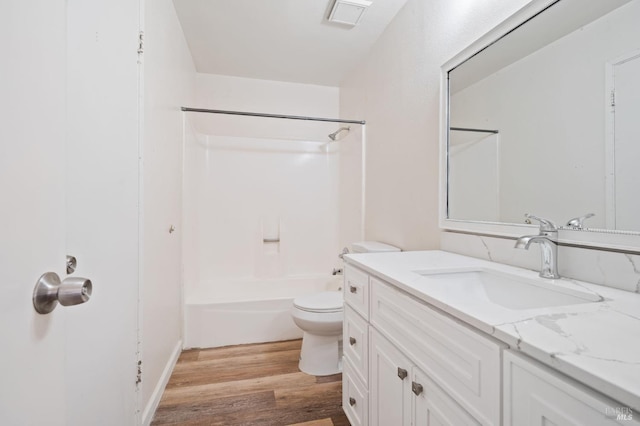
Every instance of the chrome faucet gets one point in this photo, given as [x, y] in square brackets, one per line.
[547, 238]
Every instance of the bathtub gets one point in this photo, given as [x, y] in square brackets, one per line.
[233, 312]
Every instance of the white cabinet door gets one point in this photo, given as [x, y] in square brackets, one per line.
[536, 395]
[390, 384]
[431, 406]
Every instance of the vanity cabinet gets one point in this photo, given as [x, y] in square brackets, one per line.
[409, 363]
[535, 394]
[413, 364]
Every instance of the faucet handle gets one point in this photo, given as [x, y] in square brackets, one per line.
[545, 224]
[578, 222]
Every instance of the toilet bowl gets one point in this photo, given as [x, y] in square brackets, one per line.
[320, 317]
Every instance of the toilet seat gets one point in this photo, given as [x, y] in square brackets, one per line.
[325, 302]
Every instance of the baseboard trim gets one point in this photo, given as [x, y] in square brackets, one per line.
[152, 405]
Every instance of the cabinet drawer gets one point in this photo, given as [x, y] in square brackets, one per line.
[535, 394]
[355, 343]
[355, 398]
[464, 363]
[356, 290]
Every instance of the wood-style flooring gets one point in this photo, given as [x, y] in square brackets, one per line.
[249, 385]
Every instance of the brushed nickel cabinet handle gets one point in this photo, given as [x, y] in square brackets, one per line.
[416, 388]
[402, 373]
[353, 289]
[352, 341]
[352, 401]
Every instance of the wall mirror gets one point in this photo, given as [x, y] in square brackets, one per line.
[542, 115]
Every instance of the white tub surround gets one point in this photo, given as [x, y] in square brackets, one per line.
[594, 343]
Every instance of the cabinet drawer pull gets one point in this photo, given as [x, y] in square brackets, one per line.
[353, 289]
[402, 373]
[352, 401]
[416, 388]
[352, 341]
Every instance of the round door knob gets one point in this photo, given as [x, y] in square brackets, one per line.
[49, 291]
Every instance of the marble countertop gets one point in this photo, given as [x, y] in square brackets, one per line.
[596, 343]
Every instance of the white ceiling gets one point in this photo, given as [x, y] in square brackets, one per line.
[285, 40]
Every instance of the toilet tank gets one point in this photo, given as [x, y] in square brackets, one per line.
[372, 247]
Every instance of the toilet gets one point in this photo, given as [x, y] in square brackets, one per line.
[320, 316]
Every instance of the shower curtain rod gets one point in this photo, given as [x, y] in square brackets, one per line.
[465, 129]
[259, 114]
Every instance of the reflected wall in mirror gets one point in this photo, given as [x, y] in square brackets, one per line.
[547, 120]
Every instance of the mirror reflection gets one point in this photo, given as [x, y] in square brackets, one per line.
[547, 120]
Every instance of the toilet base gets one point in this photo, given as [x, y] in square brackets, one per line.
[321, 355]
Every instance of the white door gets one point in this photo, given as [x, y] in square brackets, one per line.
[69, 185]
[627, 143]
[32, 150]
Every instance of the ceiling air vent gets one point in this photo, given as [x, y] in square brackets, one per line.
[348, 12]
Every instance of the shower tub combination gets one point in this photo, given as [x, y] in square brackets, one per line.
[249, 310]
[261, 221]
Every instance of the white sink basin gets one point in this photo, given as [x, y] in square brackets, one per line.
[503, 289]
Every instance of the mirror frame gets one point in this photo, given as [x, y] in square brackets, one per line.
[626, 241]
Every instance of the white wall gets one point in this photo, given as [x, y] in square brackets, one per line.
[275, 97]
[396, 90]
[249, 178]
[566, 82]
[264, 96]
[169, 83]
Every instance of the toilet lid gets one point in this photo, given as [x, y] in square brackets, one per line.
[327, 301]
